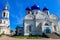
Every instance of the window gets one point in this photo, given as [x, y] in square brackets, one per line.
[4, 14]
[28, 12]
[4, 22]
[0, 29]
[47, 13]
[46, 24]
[36, 12]
[20, 30]
[20, 33]
[0, 21]
[29, 28]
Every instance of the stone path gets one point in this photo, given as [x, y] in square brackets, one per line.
[10, 38]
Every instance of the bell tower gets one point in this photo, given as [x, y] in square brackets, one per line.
[5, 12]
[5, 20]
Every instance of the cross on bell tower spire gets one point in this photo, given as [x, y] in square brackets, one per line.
[6, 6]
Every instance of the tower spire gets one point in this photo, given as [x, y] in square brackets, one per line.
[6, 6]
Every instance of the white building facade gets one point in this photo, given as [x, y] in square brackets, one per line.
[37, 22]
[4, 21]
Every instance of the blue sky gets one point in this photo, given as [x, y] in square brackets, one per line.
[17, 9]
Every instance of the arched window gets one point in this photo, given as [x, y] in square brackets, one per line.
[47, 13]
[46, 24]
[29, 28]
[0, 29]
[4, 22]
[32, 13]
[36, 12]
[4, 14]
[28, 12]
[0, 21]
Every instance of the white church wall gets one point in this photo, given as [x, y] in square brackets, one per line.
[35, 12]
[38, 26]
[40, 15]
[5, 22]
[26, 27]
[1, 30]
[58, 27]
[55, 29]
[29, 17]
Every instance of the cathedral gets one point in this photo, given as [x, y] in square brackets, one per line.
[37, 22]
[4, 21]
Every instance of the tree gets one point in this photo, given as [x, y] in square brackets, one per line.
[11, 31]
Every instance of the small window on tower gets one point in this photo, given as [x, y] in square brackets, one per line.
[47, 13]
[4, 14]
[30, 28]
[4, 22]
[28, 12]
[0, 21]
[0, 29]
[36, 12]
[32, 13]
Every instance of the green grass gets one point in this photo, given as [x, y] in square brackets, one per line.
[28, 37]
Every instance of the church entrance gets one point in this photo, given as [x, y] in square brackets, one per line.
[47, 30]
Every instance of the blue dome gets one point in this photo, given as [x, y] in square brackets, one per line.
[35, 7]
[44, 9]
[28, 8]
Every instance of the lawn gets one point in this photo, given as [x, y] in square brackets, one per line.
[28, 37]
